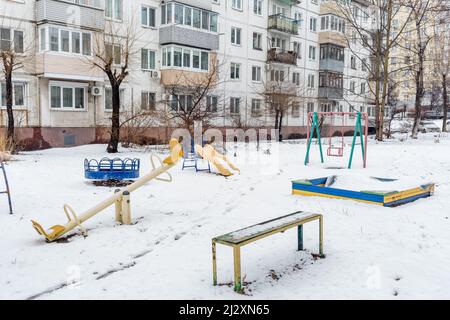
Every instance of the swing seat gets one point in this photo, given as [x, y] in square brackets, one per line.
[335, 151]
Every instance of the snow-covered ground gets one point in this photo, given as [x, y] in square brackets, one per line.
[371, 252]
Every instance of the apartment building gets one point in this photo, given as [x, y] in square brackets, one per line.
[63, 100]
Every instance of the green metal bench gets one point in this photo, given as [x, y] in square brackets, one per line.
[239, 238]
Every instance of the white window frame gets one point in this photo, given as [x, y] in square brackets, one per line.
[168, 52]
[25, 94]
[68, 85]
[236, 4]
[235, 66]
[149, 67]
[114, 10]
[46, 41]
[147, 9]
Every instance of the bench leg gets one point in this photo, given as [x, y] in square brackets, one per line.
[237, 268]
[300, 237]
[321, 236]
[214, 263]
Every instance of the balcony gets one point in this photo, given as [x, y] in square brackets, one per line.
[283, 24]
[282, 56]
[331, 93]
[176, 34]
[68, 13]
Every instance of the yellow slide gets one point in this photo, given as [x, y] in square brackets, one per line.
[121, 199]
[218, 160]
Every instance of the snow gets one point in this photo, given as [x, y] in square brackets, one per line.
[372, 252]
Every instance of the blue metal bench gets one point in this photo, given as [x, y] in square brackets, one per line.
[2, 166]
[111, 169]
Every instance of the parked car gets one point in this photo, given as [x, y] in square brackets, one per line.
[428, 126]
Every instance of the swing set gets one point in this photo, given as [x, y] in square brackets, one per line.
[336, 144]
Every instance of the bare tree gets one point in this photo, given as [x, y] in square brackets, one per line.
[192, 98]
[422, 25]
[441, 62]
[377, 31]
[14, 53]
[114, 50]
[280, 95]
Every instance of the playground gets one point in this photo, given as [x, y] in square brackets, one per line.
[164, 252]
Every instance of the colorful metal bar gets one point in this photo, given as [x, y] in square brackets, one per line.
[316, 187]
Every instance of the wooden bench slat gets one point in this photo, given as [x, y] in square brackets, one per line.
[257, 230]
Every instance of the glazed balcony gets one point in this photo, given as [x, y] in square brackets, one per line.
[89, 14]
[281, 56]
[283, 24]
[331, 93]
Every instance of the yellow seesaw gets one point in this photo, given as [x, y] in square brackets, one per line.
[120, 199]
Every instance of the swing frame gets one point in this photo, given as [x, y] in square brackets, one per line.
[314, 127]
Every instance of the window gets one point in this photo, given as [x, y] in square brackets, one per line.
[177, 56]
[43, 39]
[277, 75]
[310, 107]
[256, 107]
[185, 58]
[256, 73]
[148, 58]
[364, 64]
[65, 41]
[234, 105]
[363, 87]
[353, 62]
[166, 13]
[18, 94]
[114, 53]
[67, 96]
[235, 71]
[352, 86]
[148, 100]
[179, 13]
[236, 4]
[313, 24]
[235, 36]
[54, 39]
[257, 7]
[257, 41]
[148, 16]
[76, 42]
[211, 103]
[298, 18]
[15, 44]
[295, 110]
[312, 53]
[181, 103]
[185, 15]
[310, 81]
[113, 9]
[296, 78]
[296, 47]
[108, 98]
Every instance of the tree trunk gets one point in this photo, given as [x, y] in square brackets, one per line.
[276, 118]
[444, 101]
[9, 110]
[280, 126]
[419, 96]
[115, 120]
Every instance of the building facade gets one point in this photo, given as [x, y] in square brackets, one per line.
[62, 99]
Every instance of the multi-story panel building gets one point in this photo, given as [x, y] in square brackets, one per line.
[62, 99]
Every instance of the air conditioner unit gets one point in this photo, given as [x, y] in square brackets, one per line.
[155, 75]
[96, 91]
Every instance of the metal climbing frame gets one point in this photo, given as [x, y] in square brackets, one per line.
[7, 191]
[314, 127]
